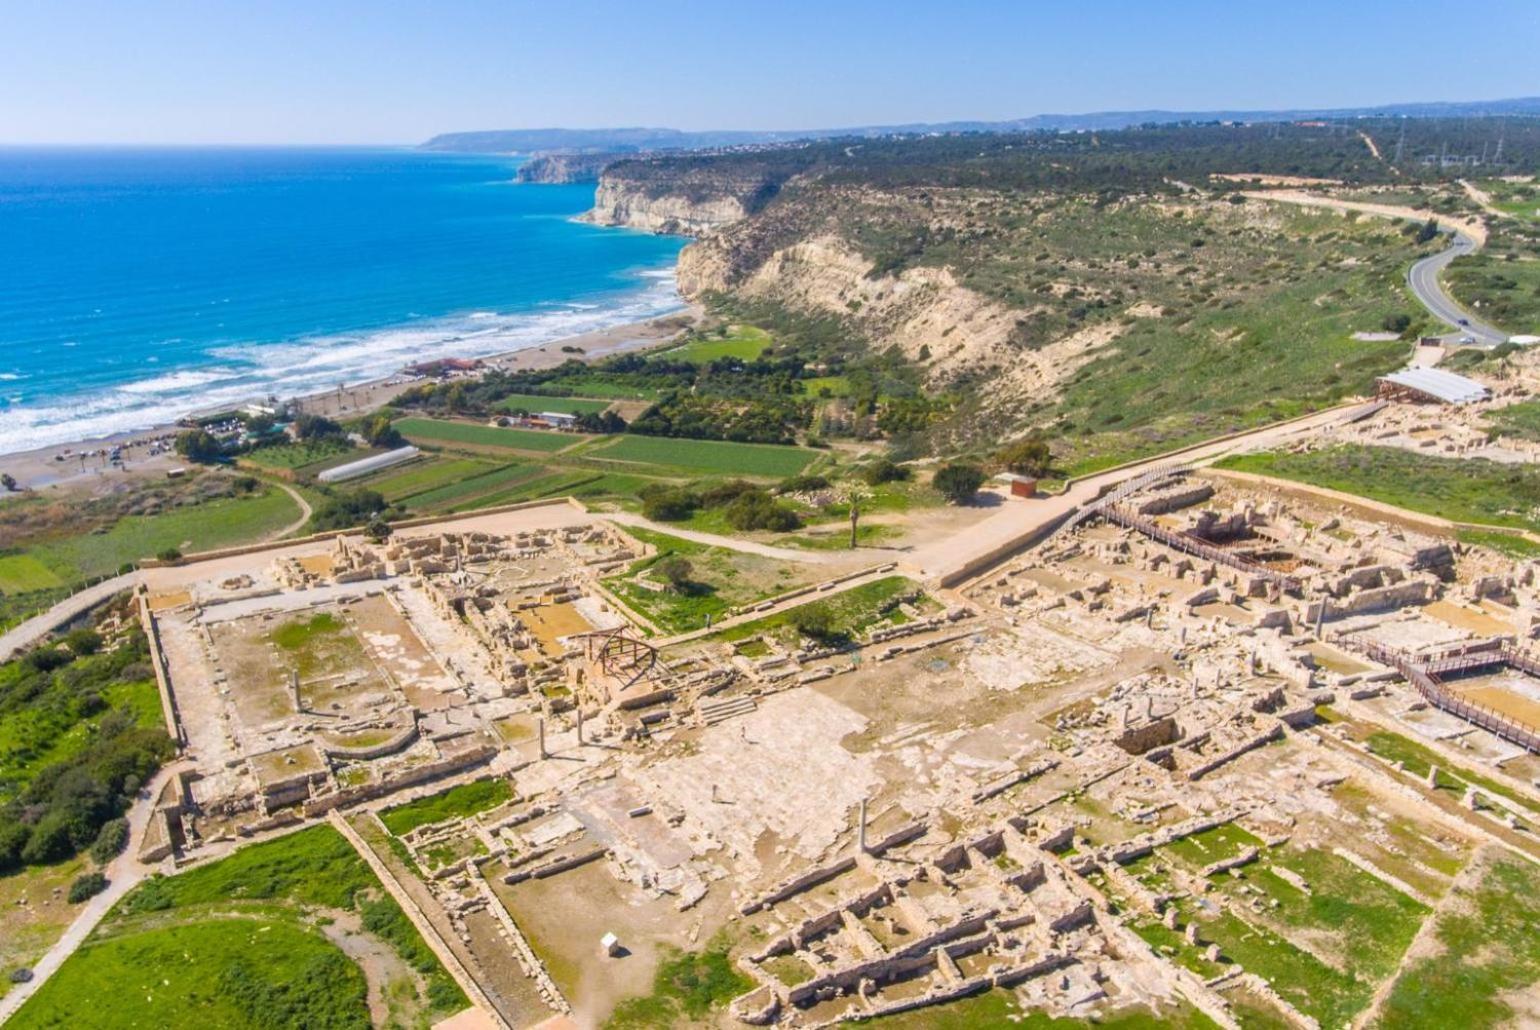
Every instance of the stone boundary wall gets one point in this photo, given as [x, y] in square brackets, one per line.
[168, 709]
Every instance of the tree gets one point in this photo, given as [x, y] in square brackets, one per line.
[378, 530]
[958, 481]
[199, 445]
[110, 841]
[1027, 457]
[315, 427]
[1396, 323]
[9, 482]
[380, 433]
[1428, 231]
[676, 571]
[83, 641]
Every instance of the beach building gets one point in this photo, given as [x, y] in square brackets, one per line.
[1018, 485]
[1430, 385]
[364, 466]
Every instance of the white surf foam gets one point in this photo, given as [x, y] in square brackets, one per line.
[250, 372]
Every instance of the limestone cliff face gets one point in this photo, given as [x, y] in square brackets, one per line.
[949, 329]
[560, 169]
[621, 202]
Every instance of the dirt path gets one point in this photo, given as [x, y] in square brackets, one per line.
[731, 543]
[299, 523]
[381, 966]
[1482, 198]
[1018, 522]
[1373, 147]
[1471, 227]
[123, 874]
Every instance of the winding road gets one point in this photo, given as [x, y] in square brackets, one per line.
[1423, 277]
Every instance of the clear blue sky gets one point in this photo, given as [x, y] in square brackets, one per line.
[350, 71]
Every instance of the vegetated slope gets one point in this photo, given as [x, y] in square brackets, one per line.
[1111, 286]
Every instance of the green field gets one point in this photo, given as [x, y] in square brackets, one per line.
[1521, 420]
[241, 943]
[225, 522]
[422, 476]
[1460, 489]
[534, 403]
[439, 431]
[293, 456]
[21, 573]
[742, 459]
[476, 486]
[454, 803]
[744, 342]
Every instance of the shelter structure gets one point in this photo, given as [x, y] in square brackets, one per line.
[1431, 385]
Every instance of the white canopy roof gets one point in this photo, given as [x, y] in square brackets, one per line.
[1435, 382]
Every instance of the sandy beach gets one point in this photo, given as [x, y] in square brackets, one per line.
[86, 461]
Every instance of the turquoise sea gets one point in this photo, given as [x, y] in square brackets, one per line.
[139, 284]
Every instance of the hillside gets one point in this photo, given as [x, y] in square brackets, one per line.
[1114, 289]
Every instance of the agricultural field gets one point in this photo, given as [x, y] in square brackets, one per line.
[440, 432]
[1460, 489]
[51, 544]
[718, 580]
[711, 456]
[532, 403]
[743, 342]
[254, 940]
[294, 457]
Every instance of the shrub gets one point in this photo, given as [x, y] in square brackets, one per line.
[83, 641]
[883, 471]
[87, 886]
[168, 554]
[755, 509]
[958, 482]
[1028, 457]
[802, 484]
[110, 841]
[669, 504]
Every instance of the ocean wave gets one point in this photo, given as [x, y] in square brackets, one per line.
[253, 371]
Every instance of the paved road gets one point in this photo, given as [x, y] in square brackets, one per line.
[1469, 236]
[25, 634]
[1423, 279]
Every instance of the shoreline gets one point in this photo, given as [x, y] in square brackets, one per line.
[37, 468]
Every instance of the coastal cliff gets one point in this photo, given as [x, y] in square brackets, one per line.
[563, 169]
[687, 196]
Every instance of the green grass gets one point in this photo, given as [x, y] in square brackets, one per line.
[454, 803]
[292, 456]
[1491, 956]
[1503, 543]
[741, 459]
[223, 972]
[535, 403]
[743, 342]
[439, 431]
[21, 573]
[687, 985]
[422, 476]
[557, 483]
[850, 612]
[225, 522]
[314, 868]
[999, 1009]
[1307, 983]
[1460, 489]
[475, 486]
[1417, 759]
[1221, 842]
[721, 579]
[1521, 420]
